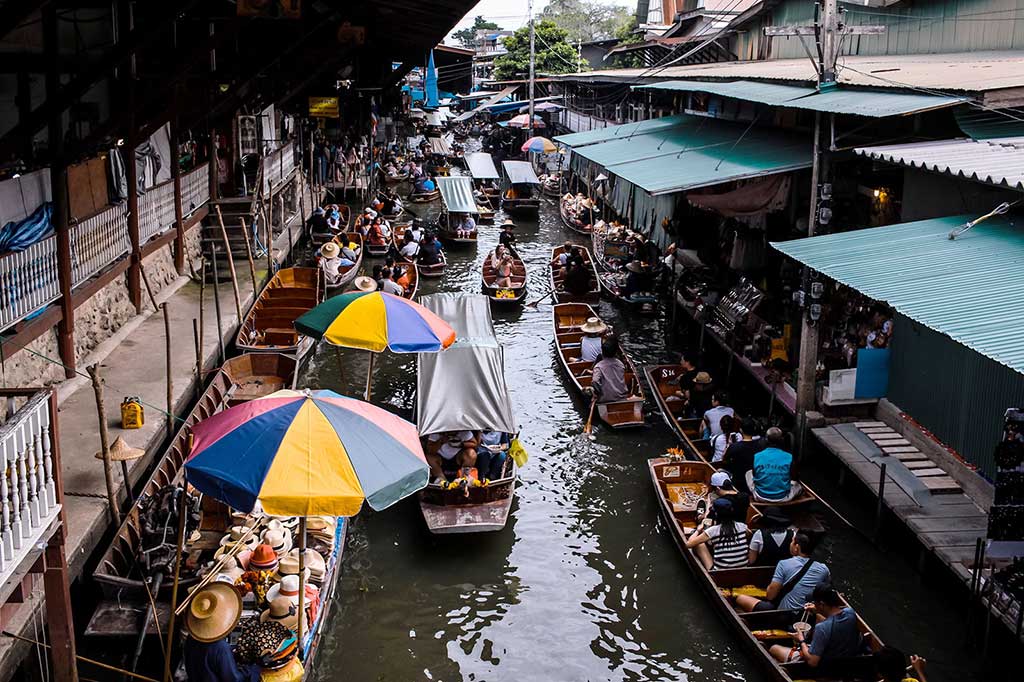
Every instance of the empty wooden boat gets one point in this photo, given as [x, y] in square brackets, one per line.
[270, 324]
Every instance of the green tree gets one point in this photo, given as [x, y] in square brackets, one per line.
[586, 20]
[554, 54]
[627, 34]
[467, 36]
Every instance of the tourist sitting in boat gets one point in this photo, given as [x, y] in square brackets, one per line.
[450, 451]
[211, 616]
[331, 263]
[416, 230]
[891, 664]
[497, 255]
[403, 275]
[317, 222]
[590, 344]
[698, 400]
[739, 456]
[729, 428]
[508, 238]
[567, 249]
[771, 478]
[430, 253]
[836, 634]
[772, 541]
[376, 234]
[724, 543]
[410, 247]
[711, 420]
[609, 374]
[389, 282]
[425, 185]
[491, 454]
[464, 225]
[793, 581]
[334, 218]
[722, 486]
[577, 279]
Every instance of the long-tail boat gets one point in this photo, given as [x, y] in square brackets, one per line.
[557, 279]
[270, 324]
[502, 294]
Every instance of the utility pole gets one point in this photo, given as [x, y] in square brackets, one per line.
[827, 30]
[529, 123]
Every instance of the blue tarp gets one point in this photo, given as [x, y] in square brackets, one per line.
[18, 236]
[430, 84]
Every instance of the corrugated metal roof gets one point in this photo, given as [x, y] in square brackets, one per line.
[985, 124]
[575, 140]
[968, 288]
[481, 166]
[520, 173]
[438, 145]
[998, 162]
[695, 152]
[981, 71]
[836, 101]
[457, 193]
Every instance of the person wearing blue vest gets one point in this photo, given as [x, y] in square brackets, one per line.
[771, 479]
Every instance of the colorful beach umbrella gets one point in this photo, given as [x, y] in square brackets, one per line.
[540, 145]
[306, 453]
[523, 121]
[376, 321]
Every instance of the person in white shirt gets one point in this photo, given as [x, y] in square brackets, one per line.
[711, 424]
[388, 285]
[410, 247]
[450, 451]
[465, 226]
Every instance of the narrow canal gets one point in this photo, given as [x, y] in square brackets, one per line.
[584, 583]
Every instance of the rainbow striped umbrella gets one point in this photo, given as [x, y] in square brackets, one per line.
[540, 145]
[306, 453]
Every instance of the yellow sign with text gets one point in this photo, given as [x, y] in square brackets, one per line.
[323, 107]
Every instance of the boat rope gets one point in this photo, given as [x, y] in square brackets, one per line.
[83, 659]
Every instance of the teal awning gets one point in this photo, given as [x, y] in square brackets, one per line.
[696, 152]
[620, 131]
[968, 288]
[838, 100]
[457, 193]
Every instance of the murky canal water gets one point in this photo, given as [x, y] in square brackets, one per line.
[584, 583]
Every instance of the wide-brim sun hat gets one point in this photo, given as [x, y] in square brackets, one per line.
[120, 451]
[213, 612]
[330, 250]
[593, 325]
[702, 378]
[364, 283]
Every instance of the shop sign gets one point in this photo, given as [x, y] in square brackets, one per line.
[323, 107]
[273, 9]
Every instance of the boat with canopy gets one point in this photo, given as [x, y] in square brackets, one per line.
[464, 389]
[456, 197]
[519, 197]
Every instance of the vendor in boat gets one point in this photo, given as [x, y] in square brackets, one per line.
[464, 225]
[212, 614]
[425, 185]
[450, 451]
[608, 383]
[508, 237]
[590, 344]
[772, 477]
[332, 263]
[410, 247]
[772, 540]
[793, 581]
[638, 279]
[317, 222]
[491, 454]
[723, 543]
[836, 634]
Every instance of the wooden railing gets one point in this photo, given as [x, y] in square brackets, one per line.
[28, 279]
[28, 489]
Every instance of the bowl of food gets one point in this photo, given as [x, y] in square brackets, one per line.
[802, 628]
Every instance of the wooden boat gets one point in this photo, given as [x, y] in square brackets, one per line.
[425, 197]
[449, 235]
[348, 272]
[414, 281]
[678, 482]
[427, 271]
[520, 206]
[664, 384]
[120, 573]
[513, 294]
[567, 318]
[475, 360]
[433, 271]
[397, 178]
[642, 303]
[485, 214]
[609, 254]
[270, 324]
[552, 189]
[562, 296]
[569, 221]
[344, 224]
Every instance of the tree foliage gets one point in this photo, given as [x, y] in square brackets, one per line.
[467, 36]
[586, 20]
[627, 35]
[554, 54]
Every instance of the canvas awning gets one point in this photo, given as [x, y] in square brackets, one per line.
[435, 119]
[695, 152]
[489, 101]
[520, 173]
[439, 146]
[481, 166]
[457, 193]
[463, 388]
[838, 100]
[967, 288]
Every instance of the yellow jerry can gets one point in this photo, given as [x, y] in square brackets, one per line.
[133, 416]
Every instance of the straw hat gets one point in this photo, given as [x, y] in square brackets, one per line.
[242, 557]
[289, 565]
[633, 266]
[593, 325]
[264, 558]
[330, 250]
[282, 523]
[702, 378]
[213, 612]
[314, 561]
[282, 610]
[235, 535]
[364, 283]
[242, 519]
[122, 452]
[288, 587]
[508, 223]
[279, 540]
[230, 575]
[321, 523]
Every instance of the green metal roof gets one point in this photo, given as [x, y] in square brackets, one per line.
[614, 132]
[697, 152]
[968, 288]
[837, 100]
[984, 124]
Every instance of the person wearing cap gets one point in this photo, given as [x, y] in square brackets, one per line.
[724, 544]
[590, 345]
[508, 238]
[722, 487]
[608, 382]
[331, 263]
[212, 614]
[450, 451]
[771, 542]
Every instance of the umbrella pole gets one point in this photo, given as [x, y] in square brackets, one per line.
[179, 550]
[302, 576]
[369, 377]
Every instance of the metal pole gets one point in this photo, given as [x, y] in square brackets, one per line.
[529, 122]
[179, 550]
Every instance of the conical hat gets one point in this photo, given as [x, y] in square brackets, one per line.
[213, 612]
[122, 452]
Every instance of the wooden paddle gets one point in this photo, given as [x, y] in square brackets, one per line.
[545, 296]
[588, 429]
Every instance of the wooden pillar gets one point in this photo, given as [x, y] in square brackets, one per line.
[127, 78]
[59, 192]
[214, 172]
[179, 221]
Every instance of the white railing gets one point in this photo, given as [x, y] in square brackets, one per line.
[28, 493]
[277, 167]
[156, 211]
[99, 241]
[28, 281]
[195, 189]
[578, 123]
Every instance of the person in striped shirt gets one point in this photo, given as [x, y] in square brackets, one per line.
[724, 544]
